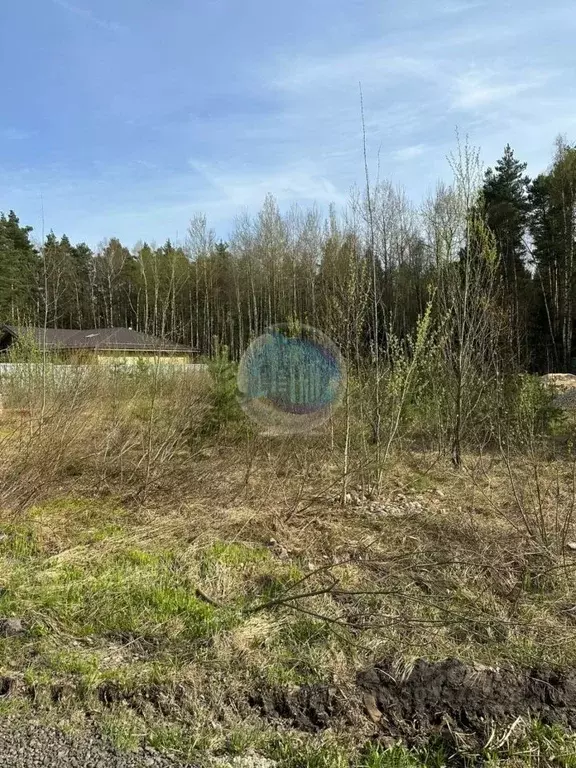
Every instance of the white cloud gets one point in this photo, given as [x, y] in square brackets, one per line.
[461, 6]
[372, 65]
[409, 153]
[433, 74]
[87, 14]
[146, 164]
[476, 89]
[247, 189]
[15, 134]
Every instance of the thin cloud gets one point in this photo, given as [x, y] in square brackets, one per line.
[146, 164]
[379, 65]
[87, 14]
[477, 89]
[409, 153]
[248, 189]
[461, 6]
[15, 134]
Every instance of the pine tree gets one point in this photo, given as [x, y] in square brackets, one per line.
[18, 272]
[506, 209]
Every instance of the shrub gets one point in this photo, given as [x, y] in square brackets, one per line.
[224, 407]
[527, 409]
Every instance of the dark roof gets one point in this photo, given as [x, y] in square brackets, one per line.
[123, 339]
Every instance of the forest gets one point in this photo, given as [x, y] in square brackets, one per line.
[375, 265]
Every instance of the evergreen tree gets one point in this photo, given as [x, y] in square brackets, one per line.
[505, 193]
[18, 272]
[506, 209]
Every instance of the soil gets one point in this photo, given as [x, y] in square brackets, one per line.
[467, 697]
[435, 700]
[565, 386]
[310, 708]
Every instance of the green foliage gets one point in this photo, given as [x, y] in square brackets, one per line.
[391, 757]
[122, 728]
[142, 368]
[420, 388]
[337, 277]
[408, 398]
[18, 542]
[506, 205]
[294, 753]
[526, 409]
[552, 743]
[224, 407]
[553, 231]
[235, 553]
[429, 408]
[18, 270]
[25, 349]
[128, 591]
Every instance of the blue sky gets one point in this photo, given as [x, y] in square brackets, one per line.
[125, 117]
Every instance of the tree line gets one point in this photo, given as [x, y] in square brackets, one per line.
[364, 275]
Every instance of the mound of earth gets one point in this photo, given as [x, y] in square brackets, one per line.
[565, 385]
[310, 708]
[562, 381]
[436, 699]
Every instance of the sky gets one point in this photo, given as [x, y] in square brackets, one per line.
[124, 118]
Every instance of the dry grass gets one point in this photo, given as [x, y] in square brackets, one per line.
[151, 567]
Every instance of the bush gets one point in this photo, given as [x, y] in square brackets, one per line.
[224, 405]
[25, 350]
[527, 409]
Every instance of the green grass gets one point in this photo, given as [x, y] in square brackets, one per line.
[124, 600]
[69, 571]
[235, 553]
[122, 728]
[125, 592]
[393, 757]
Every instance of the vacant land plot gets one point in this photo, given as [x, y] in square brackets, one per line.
[181, 591]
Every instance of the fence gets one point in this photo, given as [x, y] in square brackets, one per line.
[53, 370]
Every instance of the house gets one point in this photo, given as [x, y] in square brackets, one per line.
[103, 345]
